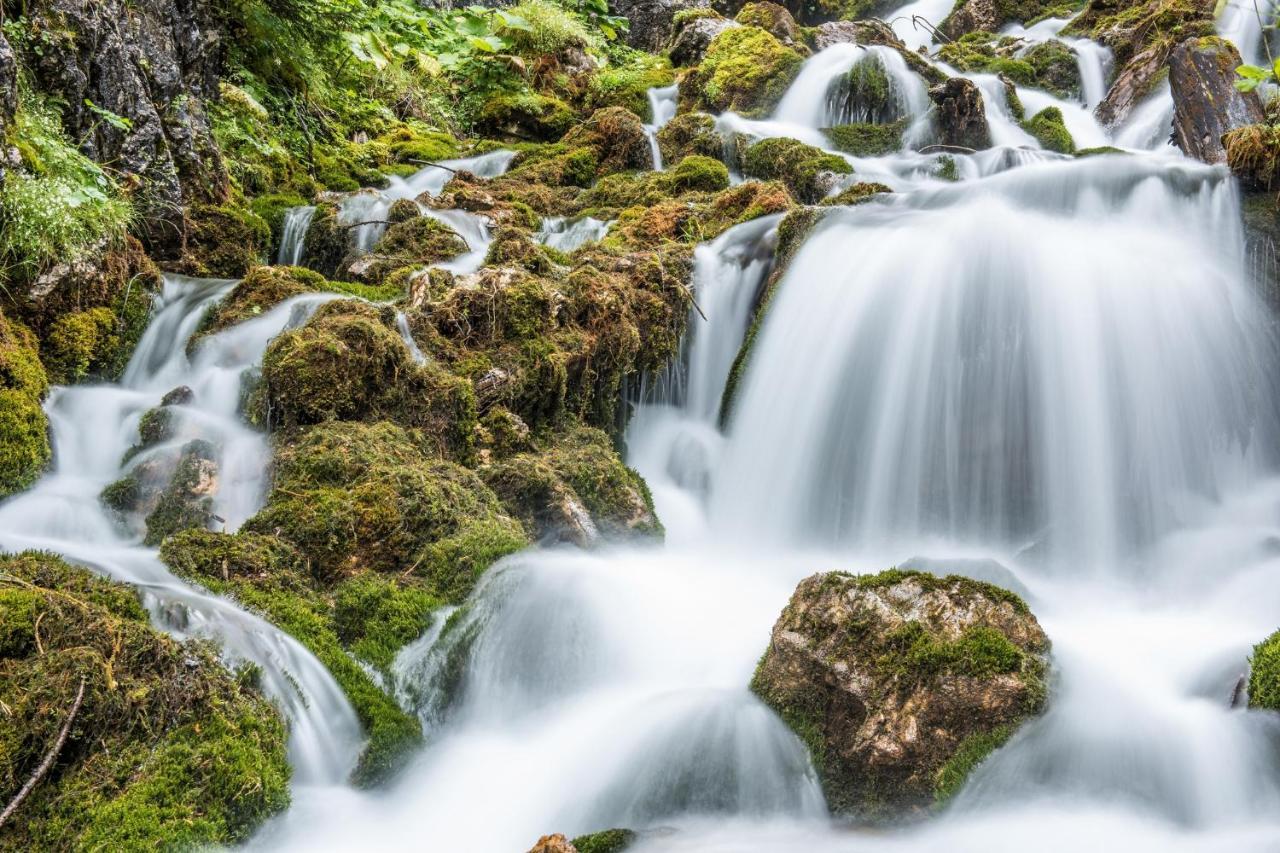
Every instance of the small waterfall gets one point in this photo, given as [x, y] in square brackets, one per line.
[1093, 61]
[369, 207]
[969, 380]
[93, 426]
[1243, 23]
[294, 235]
[662, 106]
[406, 334]
[1150, 125]
[566, 234]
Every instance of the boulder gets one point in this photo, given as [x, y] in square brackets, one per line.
[900, 683]
[962, 119]
[770, 17]
[1132, 85]
[973, 16]
[553, 844]
[692, 38]
[652, 21]
[1206, 103]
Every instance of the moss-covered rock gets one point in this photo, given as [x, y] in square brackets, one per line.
[856, 194]
[618, 138]
[900, 683]
[349, 364]
[608, 841]
[867, 140]
[1264, 674]
[327, 241]
[528, 116]
[771, 17]
[746, 70]
[1050, 130]
[24, 442]
[187, 500]
[416, 242]
[809, 173]
[575, 489]
[627, 84]
[1253, 155]
[691, 133]
[224, 241]
[168, 749]
[971, 16]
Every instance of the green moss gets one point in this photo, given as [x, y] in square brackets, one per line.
[696, 173]
[271, 209]
[78, 342]
[627, 84]
[801, 167]
[417, 145]
[745, 70]
[1049, 129]
[1264, 674]
[608, 841]
[856, 194]
[24, 443]
[514, 247]
[417, 242]
[867, 140]
[1253, 154]
[930, 583]
[224, 241]
[971, 752]
[527, 116]
[690, 133]
[453, 565]
[376, 617]
[188, 499]
[168, 750]
[1101, 149]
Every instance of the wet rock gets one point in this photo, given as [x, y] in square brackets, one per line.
[973, 16]
[835, 32]
[187, 502]
[691, 40]
[691, 133]
[1132, 85]
[652, 21]
[771, 17]
[153, 63]
[553, 844]
[962, 119]
[180, 396]
[1205, 100]
[900, 683]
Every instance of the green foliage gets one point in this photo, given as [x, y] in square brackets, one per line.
[535, 28]
[608, 841]
[60, 206]
[1264, 674]
[745, 70]
[867, 140]
[1050, 130]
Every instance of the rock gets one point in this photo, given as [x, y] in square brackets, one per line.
[553, 844]
[811, 174]
[1132, 85]
[153, 63]
[180, 396]
[691, 40]
[854, 32]
[187, 502]
[973, 16]
[771, 17]
[1205, 101]
[983, 570]
[1050, 130]
[691, 133]
[8, 92]
[900, 683]
[962, 120]
[652, 21]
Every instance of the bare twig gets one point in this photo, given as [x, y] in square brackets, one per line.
[49, 758]
[958, 148]
[429, 163]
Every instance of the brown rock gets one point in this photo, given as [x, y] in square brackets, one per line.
[1205, 100]
[889, 677]
[690, 42]
[553, 844]
[972, 16]
[962, 120]
[1132, 85]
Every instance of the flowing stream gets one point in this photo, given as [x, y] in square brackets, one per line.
[1058, 365]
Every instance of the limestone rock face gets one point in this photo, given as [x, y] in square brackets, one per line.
[652, 21]
[153, 63]
[962, 119]
[901, 682]
[1205, 101]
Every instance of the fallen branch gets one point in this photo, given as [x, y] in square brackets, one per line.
[49, 758]
[960, 149]
[428, 163]
[370, 222]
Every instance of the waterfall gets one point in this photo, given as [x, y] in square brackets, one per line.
[92, 426]
[566, 234]
[406, 335]
[662, 106]
[294, 234]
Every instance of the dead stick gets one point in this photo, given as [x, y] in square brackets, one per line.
[427, 163]
[49, 758]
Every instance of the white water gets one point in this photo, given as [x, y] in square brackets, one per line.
[406, 335]
[662, 108]
[566, 234]
[1093, 61]
[293, 236]
[92, 427]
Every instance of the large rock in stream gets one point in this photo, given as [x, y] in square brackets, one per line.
[900, 683]
[1202, 74]
[652, 21]
[962, 118]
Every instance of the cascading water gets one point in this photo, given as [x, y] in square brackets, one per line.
[565, 234]
[92, 427]
[662, 106]
[293, 235]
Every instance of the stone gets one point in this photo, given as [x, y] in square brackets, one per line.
[652, 21]
[900, 683]
[553, 844]
[180, 396]
[972, 16]
[962, 119]
[689, 44]
[1206, 103]
[1132, 85]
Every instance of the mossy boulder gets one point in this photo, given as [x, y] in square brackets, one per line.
[900, 683]
[857, 194]
[528, 116]
[224, 241]
[373, 496]
[627, 84]
[867, 140]
[327, 241]
[1050, 130]
[416, 242]
[746, 70]
[809, 173]
[360, 619]
[618, 138]
[1206, 104]
[187, 500]
[960, 114]
[971, 16]
[167, 750]
[24, 442]
[349, 364]
[694, 174]
[1264, 674]
[1049, 65]
[771, 17]
[608, 841]
[576, 489]
[691, 133]
[258, 292]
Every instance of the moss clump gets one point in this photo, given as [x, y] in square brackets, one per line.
[168, 749]
[867, 140]
[856, 194]
[224, 241]
[775, 19]
[1049, 129]
[971, 752]
[807, 171]
[1049, 65]
[79, 344]
[608, 841]
[1132, 28]
[932, 583]
[578, 470]
[1264, 674]
[1253, 154]
[375, 618]
[348, 364]
[416, 242]
[366, 496]
[514, 247]
[1101, 149]
[691, 133]
[528, 116]
[188, 499]
[268, 576]
[745, 70]
[627, 83]
[696, 173]
[327, 241]
[24, 442]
